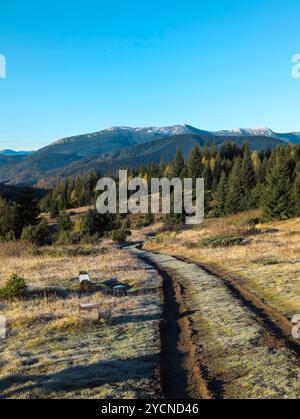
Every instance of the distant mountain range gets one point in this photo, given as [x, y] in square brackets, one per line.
[122, 147]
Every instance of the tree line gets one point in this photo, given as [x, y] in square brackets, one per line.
[15, 216]
[237, 179]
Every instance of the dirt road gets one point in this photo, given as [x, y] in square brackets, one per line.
[214, 344]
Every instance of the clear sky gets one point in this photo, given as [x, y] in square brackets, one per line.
[81, 66]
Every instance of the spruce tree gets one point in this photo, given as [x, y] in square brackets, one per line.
[217, 172]
[27, 211]
[178, 165]
[277, 196]
[247, 175]
[234, 203]
[64, 222]
[260, 178]
[207, 176]
[221, 196]
[194, 164]
[7, 219]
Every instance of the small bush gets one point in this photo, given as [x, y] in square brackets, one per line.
[64, 223]
[222, 241]
[95, 224]
[65, 238]
[146, 221]
[120, 236]
[14, 288]
[40, 235]
[174, 222]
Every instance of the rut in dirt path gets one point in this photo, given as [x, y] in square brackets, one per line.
[227, 347]
[173, 376]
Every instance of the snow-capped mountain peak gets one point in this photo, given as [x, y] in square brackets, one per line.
[247, 132]
[169, 130]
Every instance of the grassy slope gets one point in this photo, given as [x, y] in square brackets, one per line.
[50, 353]
[268, 265]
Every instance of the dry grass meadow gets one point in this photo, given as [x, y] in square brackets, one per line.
[51, 353]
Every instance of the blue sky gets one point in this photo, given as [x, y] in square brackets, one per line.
[75, 67]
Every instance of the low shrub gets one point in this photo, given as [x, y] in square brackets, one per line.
[65, 238]
[174, 222]
[120, 236]
[39, 235]
[248, 221]
[146, 221]
[222, 241]
[14, 288]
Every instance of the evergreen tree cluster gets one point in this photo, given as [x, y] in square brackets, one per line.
[237, 179]
[15, 216]
[71, 193]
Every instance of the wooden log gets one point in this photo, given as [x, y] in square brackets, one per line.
[89, 311]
